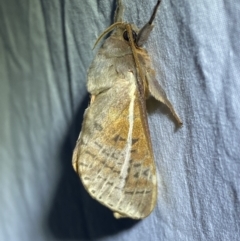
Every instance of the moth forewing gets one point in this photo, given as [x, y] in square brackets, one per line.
[113, 155]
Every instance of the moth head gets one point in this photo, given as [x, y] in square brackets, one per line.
[139, 36]
[134, 32]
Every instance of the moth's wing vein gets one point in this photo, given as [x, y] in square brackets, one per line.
[132, 198]
[108, 157]
[143, 193]
[113, 186]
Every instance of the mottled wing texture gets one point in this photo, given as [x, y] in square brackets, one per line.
[113, 155]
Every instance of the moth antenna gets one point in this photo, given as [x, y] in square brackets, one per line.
[106, 31]
[154, 12]
[118, 16]
[147, 28]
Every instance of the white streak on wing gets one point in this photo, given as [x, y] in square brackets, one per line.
[125, 165]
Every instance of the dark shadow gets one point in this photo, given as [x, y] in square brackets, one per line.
[74, 215]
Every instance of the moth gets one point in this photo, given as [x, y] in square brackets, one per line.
[113, 154]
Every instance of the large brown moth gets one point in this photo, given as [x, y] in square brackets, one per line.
[113, 154]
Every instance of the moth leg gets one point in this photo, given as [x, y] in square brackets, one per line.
[118, 215]
[159, 94]
[92, 99]
[118, 17]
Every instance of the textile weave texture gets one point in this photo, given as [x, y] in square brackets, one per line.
[45, 51]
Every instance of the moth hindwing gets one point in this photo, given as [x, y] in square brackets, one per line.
[113, 155]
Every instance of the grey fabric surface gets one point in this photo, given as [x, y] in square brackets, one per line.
[45, 51]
